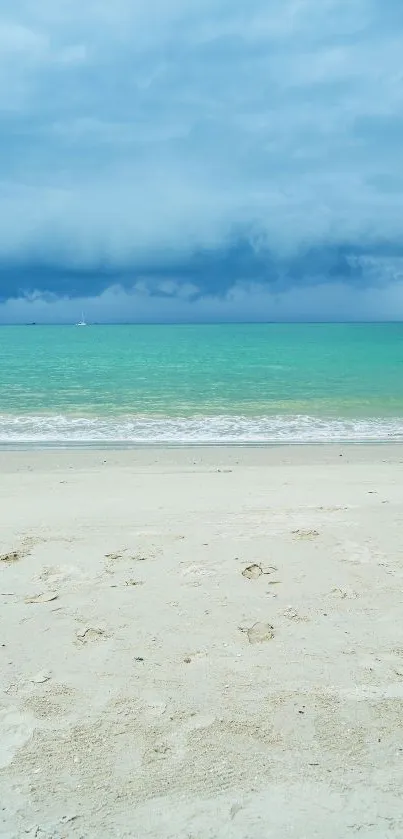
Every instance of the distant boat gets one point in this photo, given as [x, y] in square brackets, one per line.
[82, 322]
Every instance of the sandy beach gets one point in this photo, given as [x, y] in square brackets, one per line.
[202, 643]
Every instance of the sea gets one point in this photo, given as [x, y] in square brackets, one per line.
[201, 384]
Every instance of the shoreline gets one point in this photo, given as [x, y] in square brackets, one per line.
[348, 445]
[115, 445]
[198, 430]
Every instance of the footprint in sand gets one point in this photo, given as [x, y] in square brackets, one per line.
[293, 615]
[43, 597]
[41, 677]
[11, 556]
[305, 534]
[259, 632]
[113, 557]
[27, 544]
[140, 556]
[89, 634]
[254, 571]
[344, 593]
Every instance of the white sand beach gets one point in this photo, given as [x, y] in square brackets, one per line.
[202, 643]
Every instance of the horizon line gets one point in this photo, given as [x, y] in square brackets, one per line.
[211, 323]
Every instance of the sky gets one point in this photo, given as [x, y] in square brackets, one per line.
[201, 160]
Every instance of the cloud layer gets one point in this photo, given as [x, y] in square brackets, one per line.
[201, 160]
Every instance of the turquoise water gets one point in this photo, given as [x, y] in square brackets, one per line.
[218, 383]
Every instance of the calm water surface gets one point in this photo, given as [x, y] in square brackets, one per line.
[220, 383]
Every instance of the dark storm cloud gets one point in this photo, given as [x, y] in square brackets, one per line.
[181, 151]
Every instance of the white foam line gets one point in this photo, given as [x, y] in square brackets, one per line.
[210, 429]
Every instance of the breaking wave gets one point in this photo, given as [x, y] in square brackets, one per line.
[65, 430]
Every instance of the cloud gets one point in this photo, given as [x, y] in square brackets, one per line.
[204, 144]
[250, 302]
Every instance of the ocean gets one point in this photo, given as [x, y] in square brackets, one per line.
[234, 383]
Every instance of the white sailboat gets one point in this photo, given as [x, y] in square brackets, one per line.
[82, 322]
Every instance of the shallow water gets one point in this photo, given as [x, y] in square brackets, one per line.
[213, 384]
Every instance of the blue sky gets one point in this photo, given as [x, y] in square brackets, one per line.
[201, 159]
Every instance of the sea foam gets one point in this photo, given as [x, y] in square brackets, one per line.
[67, 429]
